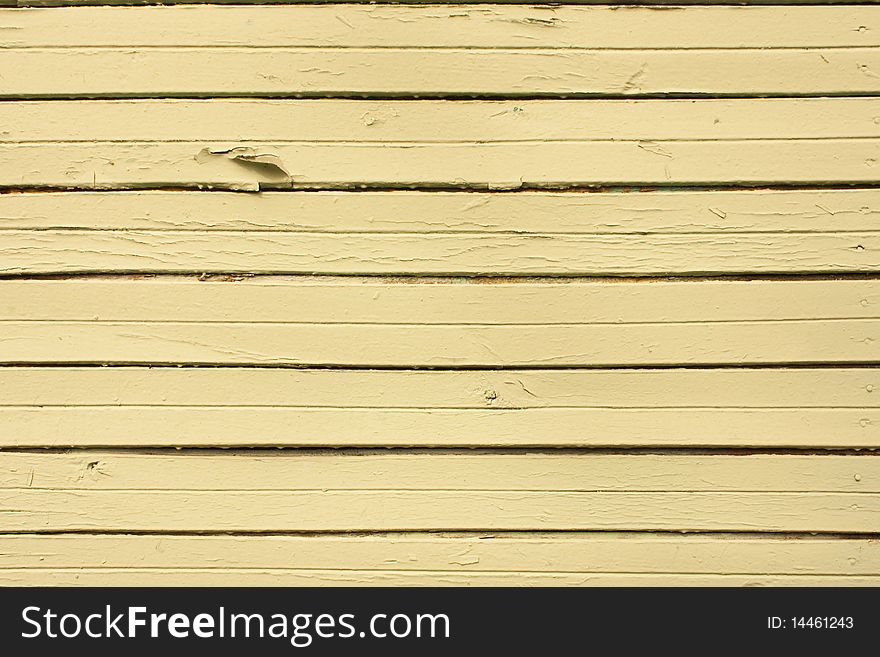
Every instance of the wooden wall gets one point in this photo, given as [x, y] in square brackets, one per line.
[350, 294]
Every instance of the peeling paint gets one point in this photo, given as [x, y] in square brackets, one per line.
[249, 157]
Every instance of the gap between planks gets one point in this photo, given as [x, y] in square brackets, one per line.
[200, 452]
[414, 279]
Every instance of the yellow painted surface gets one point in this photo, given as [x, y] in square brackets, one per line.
[450, 295]
[202, 427]
[464, 560]
[414, 122]
[674, 388]
[493, 165]
[574, 552]
[467, 491]
[486, 470]
[476, 26]
[433, 301]
[394, 70]
[420, 50]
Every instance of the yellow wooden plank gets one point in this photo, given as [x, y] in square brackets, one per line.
[165, 426]
[545, 213]
[464, 346]
[800, 388]
[447, 254]
[454, 254]
[427, 121]
[47, 557]
[329, 300]
[245, 165]
[441, 233]
[482, 26]
[391, 70]
[28, 510]
[91, 470]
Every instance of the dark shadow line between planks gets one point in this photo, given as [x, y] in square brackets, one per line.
[439, 48]
[412, 325]
[397, 450]
[813, 273]
[486, 534]
[867, 364]
[354, 187]
[450, 96]
[219, 277]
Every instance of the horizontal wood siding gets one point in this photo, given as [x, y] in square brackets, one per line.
[491, 294]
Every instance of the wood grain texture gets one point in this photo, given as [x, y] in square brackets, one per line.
[441, 233]
[463, 26]
[494, 492]
[462, 559]
[395, 71]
